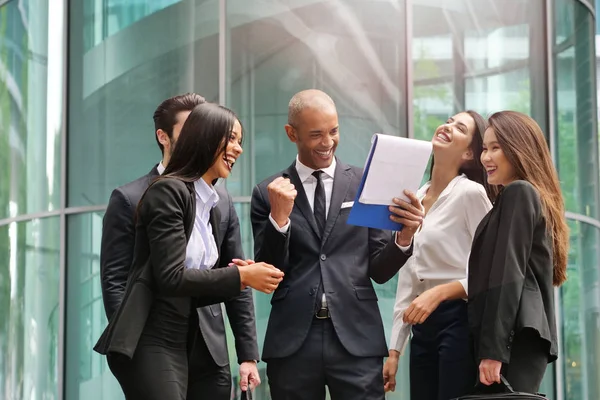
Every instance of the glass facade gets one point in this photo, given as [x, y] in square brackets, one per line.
[31, 116]
[396, 66]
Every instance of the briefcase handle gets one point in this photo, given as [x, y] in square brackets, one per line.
[506, 384]
[247, 395]
[503, 381]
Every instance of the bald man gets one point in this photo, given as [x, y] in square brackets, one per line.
[325, 328]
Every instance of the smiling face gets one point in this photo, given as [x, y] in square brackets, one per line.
[224, 162]
[452, 140]
[316, 134]
[499, 170]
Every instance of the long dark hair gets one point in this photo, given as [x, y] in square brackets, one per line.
[474, 169]
[524, 146]
[204, 136]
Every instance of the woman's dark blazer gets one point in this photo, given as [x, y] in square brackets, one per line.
[164, 224]
[510, 275]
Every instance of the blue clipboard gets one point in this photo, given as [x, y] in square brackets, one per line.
[371, 215]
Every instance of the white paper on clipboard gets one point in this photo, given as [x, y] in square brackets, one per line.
[397, 164]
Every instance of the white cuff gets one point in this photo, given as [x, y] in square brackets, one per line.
[284, 228]
[465, 284]
[399, 339]
[403, 248]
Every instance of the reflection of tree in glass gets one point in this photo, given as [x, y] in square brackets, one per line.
[522, 99]
[566, 163]
[5, 110]
[12, 173]
[426, 122]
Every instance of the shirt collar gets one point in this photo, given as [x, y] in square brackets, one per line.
[161, 168]
[305, 172]
[207, 193]
[423, 190]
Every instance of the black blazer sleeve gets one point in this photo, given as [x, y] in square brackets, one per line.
[270, 245]
[386, 257]
[520, 210]
[116, 250]
[162, 211]
[240, 309]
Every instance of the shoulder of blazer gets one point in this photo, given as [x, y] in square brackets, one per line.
[166, 190]
[354, 170]
[134, 190]
[521, 191]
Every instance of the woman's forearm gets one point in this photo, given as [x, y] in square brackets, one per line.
[452, 291]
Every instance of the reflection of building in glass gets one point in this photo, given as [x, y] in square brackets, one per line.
[398, 67]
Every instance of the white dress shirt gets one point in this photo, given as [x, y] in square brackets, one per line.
[309, 183]
[201, 251]
[441, 247]
[160, 168]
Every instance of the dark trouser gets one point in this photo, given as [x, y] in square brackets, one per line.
[154, 373]
[441, 359]
[207, 380]
[528, 362]
[323, 360]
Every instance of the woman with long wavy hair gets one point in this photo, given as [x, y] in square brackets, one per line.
[519, 254]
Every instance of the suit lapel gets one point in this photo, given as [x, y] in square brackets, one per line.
[189, 222]
[215, 219]
[301, 199]
[481, 227]
[484, 222]
[341, 184]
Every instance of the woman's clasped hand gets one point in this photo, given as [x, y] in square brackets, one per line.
[259, 276]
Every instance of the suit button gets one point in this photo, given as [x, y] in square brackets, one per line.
[510, 339]
[312, 291]
[512, 333]
[323, 257]
[508, 346]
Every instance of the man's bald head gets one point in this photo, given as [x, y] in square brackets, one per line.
[308, 99]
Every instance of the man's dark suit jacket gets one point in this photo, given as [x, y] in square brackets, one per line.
[510, 275]
[116, 256]
[347, 257]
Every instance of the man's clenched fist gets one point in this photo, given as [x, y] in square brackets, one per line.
[281, 196]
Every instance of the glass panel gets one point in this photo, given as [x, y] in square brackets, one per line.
[576, 116]
[29, 271]
[353, 50]
[30, 74]
[106, 17]
[477, 55]
[503, 91]
[116, 86]
[597, 19]
[564, 20]
[580, 300]
[88, 376]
